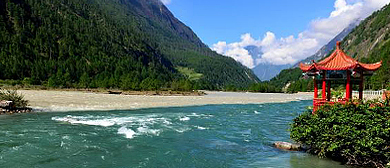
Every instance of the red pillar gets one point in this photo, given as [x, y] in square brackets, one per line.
[324, 86]
[361, 86]
[348, 86]
[328, 90]
[315, 89]
[315, 96]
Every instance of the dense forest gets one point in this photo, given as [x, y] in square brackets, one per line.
[127, 44]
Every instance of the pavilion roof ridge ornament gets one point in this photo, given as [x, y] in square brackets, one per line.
[338, 60]
[338, 43]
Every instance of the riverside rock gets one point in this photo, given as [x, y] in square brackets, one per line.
[15, 111]
[6, 104]
[288, 146]
[7, 107]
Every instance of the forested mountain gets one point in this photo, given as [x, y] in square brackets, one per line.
[128, 44]
[370, 42]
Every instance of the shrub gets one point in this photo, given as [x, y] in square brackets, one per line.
[12, 95]
[355, 133]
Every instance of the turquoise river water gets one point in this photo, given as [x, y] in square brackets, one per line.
[199, 136]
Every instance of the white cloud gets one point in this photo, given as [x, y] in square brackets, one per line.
[237, 50]
[269, 38]
[290, 49]
[166, 2]
[241, 55]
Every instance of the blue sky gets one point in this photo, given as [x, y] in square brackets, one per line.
[216, 20]
[285, 31]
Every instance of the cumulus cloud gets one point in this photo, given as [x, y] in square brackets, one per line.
[291, 49]
[166, 2]
[237, 50]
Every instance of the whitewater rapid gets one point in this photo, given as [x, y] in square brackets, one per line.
[138, 125]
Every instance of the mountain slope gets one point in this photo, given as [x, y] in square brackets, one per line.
[184, 49]
[370, 42]
[132, 44]
[154, 10]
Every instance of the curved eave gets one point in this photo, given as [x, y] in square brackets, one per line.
[357, 65]
[306, 68]
[370, 67]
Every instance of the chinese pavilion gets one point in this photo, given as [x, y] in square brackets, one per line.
[337, 67]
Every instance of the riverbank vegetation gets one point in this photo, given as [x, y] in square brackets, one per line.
[355, 133]
[161, 92]
[180, 85]
[264, 87]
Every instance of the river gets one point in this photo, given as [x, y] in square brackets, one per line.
[195, 136]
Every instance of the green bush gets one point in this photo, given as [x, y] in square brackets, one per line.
[355, 133]
[12, 95]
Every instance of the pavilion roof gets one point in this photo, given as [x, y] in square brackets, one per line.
[338, 60]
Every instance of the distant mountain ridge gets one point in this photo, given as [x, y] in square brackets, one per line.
[264, 71]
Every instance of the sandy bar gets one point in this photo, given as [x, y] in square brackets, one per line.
[47, 100]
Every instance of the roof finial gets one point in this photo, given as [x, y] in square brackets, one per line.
[338, 45]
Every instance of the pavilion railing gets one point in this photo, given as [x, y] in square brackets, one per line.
[317, 103]
[369, 94]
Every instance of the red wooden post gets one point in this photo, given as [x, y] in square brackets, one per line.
[361, 86]
[315, 96]
[315, 89]
[348, 86]
[328, 94]
[324, 86]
